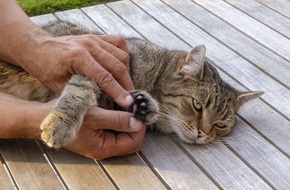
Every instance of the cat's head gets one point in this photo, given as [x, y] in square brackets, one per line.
[197, 103]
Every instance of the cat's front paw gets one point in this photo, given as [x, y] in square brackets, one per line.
[57, 129]
[145, 108]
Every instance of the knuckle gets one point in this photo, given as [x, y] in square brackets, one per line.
[120, 39]
[124, 57]
[76, 52]
[105, 78]
[120, 68]
[117, 121]
[88, 41]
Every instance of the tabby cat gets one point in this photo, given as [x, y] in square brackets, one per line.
[178, 92]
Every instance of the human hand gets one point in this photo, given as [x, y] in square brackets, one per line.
[101, 58]
[94, 140]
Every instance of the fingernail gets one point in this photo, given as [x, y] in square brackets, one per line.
[129, 100]
[135, 124]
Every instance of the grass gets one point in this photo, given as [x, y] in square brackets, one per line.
[37, 7]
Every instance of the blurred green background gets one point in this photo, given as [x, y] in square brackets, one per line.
[37, 7]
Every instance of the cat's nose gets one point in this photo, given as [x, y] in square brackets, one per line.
[201, 134]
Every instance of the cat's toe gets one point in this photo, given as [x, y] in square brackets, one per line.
[55, 133]
[145, 108]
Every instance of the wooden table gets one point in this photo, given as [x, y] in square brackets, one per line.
[249, 43]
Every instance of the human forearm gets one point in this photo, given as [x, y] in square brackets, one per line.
[18, 33]
[21, 118]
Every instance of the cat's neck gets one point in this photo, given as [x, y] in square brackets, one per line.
[150, 63]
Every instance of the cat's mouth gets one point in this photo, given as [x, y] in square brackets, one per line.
[196, 139]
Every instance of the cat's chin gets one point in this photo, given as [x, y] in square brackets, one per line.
[200, 138]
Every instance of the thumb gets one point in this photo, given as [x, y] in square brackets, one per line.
[112, 119]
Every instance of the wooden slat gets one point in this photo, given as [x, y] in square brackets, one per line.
[281, 6]
[77, 17]
[5, 182]
[144, 25]
[230, 62]
[42, 20]
[27, 165]
[255, 150]
[248, 25]
[79, 172]
[260, 56]
[225, 168]
[232, 162]
[131, 172]
[109, 22]
[276, 21]
[159, 150]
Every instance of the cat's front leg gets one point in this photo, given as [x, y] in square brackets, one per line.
[66, 118]
[145, 108]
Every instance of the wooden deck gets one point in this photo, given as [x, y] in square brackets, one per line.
[247, 40]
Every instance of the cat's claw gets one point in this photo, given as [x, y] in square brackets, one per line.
[145, 108]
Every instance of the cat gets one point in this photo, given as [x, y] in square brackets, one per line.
[177, 92]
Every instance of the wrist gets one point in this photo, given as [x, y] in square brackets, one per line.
[21, 118]
[29, 45]
[33, 118]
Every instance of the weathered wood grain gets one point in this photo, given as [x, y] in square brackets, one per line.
[5, 182]
[79, 172]
[131, 172]
[144, 25]
[269, 17]
[173, 165]
[42, 20]
[110, 22]
[249, 26]
[227, 170]
[27, 165]
[77, 17]
[255, 150]
[281, 6]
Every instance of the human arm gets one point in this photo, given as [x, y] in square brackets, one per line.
[21, 119]
[54, 59]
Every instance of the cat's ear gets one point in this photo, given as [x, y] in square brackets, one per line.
[244, 97]
[194, 63]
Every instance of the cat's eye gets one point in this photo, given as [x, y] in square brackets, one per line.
[220, 125]
[196, 104]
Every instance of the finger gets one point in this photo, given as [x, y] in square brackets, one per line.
[122, 144]
[104, 79]
[114, 66]
[117, 41]
[115, 120]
